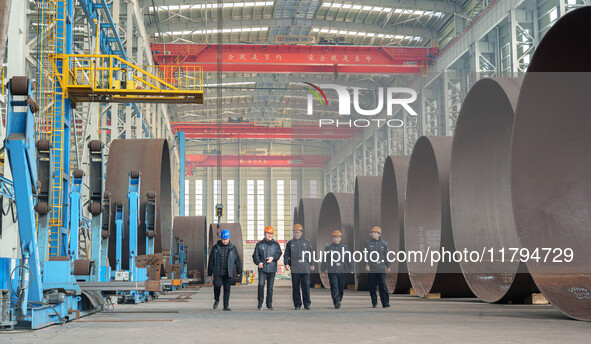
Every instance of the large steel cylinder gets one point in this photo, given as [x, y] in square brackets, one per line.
[308, 213]
[294, 218]
[151, 158]
[236, 239]
[427, 226]
[551, 164]
[367, 215]
[336, 212]
[392, 218]
[193, 231]
[480, 191]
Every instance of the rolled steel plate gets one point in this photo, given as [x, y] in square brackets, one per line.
[295, 216]
[366, 215]
[551, 164]
[236, 239]
[151, 157]
[480, 190]
[392, 218]
[308, 214]
[193, 231]
[336, 212]
[427, 225]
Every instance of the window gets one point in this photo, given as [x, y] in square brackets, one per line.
[280, 210]
[187, 209]
[313, 188]
[199, 198]
[261, 208]
[230, 202]
[250, 210]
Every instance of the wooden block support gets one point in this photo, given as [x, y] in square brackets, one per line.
[317, 285]
[350, 286]
[411, 291]
[535, 299]
[433, 296]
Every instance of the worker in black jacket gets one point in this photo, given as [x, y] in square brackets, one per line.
[266, 254]
[377, 267]
[223, 260]
[300, 265]
[337, 268]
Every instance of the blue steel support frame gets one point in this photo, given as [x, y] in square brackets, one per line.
[75, 215]
[119, 235]
[133, 201]
[20, 148]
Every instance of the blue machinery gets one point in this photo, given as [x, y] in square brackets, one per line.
[43, 290]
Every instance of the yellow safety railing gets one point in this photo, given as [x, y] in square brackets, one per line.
[109, 78]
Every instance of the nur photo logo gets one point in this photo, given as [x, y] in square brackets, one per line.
[389, 97]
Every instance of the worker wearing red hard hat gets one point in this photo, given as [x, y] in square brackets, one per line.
[266, 254]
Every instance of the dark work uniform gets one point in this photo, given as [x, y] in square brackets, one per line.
[337, 270]
[223, 260]
[262, 251]
[300, 269]
[377, 272]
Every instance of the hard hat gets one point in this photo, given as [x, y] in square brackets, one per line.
[298, 227]
[225, 234]
[376, 229]
[269, 229]
[337, 233]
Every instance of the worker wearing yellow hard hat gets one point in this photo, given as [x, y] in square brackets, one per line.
[266, 254]
[338, 268]
[377, 266]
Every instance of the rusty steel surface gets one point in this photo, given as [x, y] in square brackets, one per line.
[480, 190]
[336, 212]
[427, 225]
[308, 214]
[236, 239]
[82, 267]
[551, 163]
[151, 157]
[366, 215]
[392, 218]
[193, 231]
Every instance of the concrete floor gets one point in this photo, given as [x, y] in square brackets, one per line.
[409, 320]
